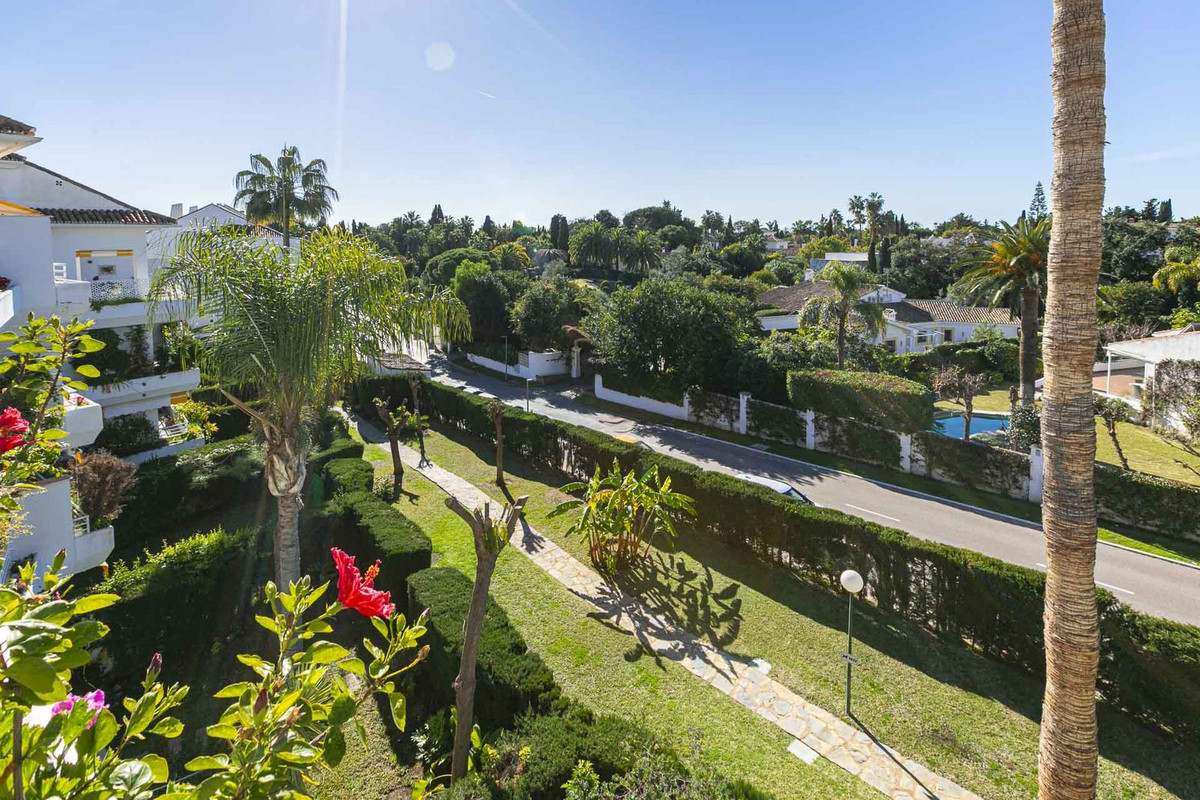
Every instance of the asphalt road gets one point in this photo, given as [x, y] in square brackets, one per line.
[1149, 584]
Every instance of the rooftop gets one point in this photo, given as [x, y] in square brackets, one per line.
[105, 216]
[10, 125]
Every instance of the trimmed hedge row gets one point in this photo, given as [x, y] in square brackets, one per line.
[853, 439]
[664, 388]
[869, 397]
[1148, 501]
[1150, 667]
[1000, 357]
[990, 469]
[189, 484]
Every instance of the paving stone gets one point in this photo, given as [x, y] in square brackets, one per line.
[803, 752]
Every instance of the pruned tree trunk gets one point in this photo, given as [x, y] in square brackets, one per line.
[1030, 302]
[490, 536]
[393, 435]
[1067, 752]
[968, 414]
[497, 412]
[285, 473]
[414, 386]
[1111, 425]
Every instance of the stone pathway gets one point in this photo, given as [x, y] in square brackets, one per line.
[816, 732]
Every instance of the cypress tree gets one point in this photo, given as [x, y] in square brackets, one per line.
[871, 261]
[885, 255]
[1165, 212]
[1037, 207]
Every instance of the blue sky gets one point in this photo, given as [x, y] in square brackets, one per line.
[524, 108]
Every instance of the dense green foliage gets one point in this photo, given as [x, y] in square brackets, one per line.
[128, 434]
[538, 315]
[992, 469]
[869, 397]
[180, 487]
[1150, 666]
[995, 357]
[1148, 501]
[442, 268]
[853, 439]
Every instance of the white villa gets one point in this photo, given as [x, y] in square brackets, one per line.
[1130, 365]
[911, 325]
[74, 251]
[853, 259]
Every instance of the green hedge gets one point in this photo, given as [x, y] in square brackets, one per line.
[1000, 357]
[230, 420]
[869, 397]
[853, 439]
[512, 680]
[771, 421]
[496, 351]
[664, 388]
[176, 488]
[1148, 501]
[980, 466]
[1151, 667]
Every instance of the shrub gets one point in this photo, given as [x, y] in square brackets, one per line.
[173, 489]
[979, 466]
[989, 356]
[496, 351]
[128, 434]
[1148, 501]
[102, 481]
[512, 680]
[853, 439]
[869, 397]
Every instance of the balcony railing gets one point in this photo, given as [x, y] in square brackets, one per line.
[120, 290]
[82, 525]
[169, 431]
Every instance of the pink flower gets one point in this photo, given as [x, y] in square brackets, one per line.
[95, 702]
[358, 592]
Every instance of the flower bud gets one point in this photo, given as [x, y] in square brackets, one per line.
[154, 669]
[260, 702]
[424, 616]
[423, 653]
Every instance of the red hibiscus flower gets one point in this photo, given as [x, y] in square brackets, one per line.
[357, 591]
[12, 430]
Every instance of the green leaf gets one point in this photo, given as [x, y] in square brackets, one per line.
[87, 370]
[158, 767]
[221, 731]
[398, 705]
[354, 666]
[267, 622]
[129, 776]
[361, 731]
[380, 626]
[236, 689]
[207, 762]
[56, 612]
[342, 710]
[94, 602]
[34, 674]
[335, 747]
[88, 344]
[141, 716]
[167, 727]
[323, 652]
[297, 751]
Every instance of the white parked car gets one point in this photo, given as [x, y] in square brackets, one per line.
[779, 487]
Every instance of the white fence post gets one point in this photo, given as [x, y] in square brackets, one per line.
[743, 408]
[810, 430]
[576, 358]
[1035, 474]
[598, 384]
[687, 406]
[906, 452]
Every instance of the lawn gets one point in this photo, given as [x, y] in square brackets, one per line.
[604, 668]
[958, 713]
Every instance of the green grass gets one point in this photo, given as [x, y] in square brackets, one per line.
[1146, 541]
[604, 668]
[372, 773]
[1148, 452]
[960, 714]
[992, 400]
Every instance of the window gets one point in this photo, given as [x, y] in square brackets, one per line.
[890, 345]
[948, 335]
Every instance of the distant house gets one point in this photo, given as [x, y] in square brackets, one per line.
[855, 259]
[910, 325]
[1130, 366]
[160, 244]
[776, 245]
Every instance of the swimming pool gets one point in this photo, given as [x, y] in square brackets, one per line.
[952, 425]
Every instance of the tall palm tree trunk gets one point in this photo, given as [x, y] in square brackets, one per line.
[1030, 300]
[285, 472]
[1067, 752]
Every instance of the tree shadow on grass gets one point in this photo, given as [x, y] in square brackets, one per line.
[669, 586]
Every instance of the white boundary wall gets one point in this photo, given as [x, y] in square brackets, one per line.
[644, 403]
[531, 365]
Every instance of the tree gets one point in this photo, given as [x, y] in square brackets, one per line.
[392, 426]
[538, 315]
[296, 329]
[442, 268]
[1037, 206]
[873, 207]
[496, 412]
[1133, 250]
[844, 306]
[484, 294]
[490, 536]
[414, 388]
[955, 383]
[284, 191]
[436, 217]
[885, 256]
[1067, 752]
[872, 259]
[645, 252]
[590, 245]
[1013, 268]
[488, 226]
[102, 482]
[1112, 410]
[1176, 276]
[857, 208]
[511, 256]
[1150, 210]
[560, 233]
[622, 513]
[1165, 212]
[607, 218]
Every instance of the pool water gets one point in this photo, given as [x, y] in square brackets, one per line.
[953, 425]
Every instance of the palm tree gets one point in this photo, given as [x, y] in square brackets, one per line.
[620, 242]
[873, 207]
[644, 251]
[1175, 275]
[857, 207]
[1012, 271]
[590, 245]
[1067, 752]
[286, 190]
[511, 256]
[297, 327]
[845, 305]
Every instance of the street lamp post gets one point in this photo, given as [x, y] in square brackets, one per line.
[852, 582]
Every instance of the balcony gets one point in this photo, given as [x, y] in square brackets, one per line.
[92, 547]
[82, 420]
[145, 393]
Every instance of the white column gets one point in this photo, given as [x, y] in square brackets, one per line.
[687, 406]
[906, 452]
[1108, 375]
[576, 358]
[743, 407]
[598, 384]
[810, 430]
[1035, 474]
